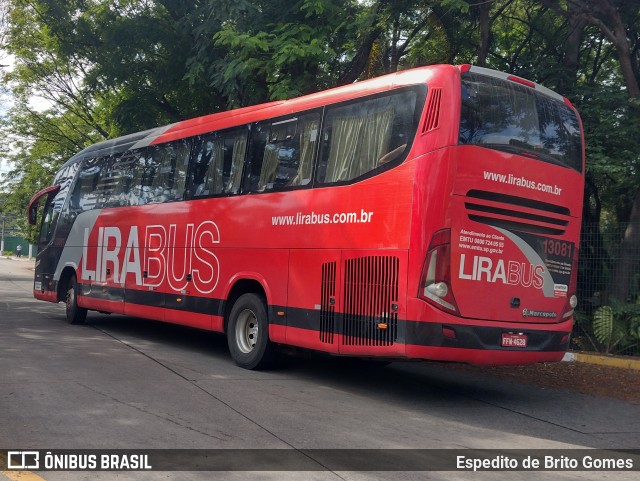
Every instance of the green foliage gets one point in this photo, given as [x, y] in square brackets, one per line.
[460, 5]
[279, 51]
[611, 127]
[617, 327]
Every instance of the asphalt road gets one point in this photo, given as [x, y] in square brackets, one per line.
[123, 383]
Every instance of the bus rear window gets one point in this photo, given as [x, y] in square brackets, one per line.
[510, 117]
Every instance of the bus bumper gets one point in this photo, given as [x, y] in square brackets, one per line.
[477, 341]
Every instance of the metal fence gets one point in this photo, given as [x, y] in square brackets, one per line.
[11, 237]
[9, 246]
[608, 313]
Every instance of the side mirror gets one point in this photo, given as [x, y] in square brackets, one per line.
[32, 212]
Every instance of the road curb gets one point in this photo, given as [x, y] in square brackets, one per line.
[19, 259]
[602, 360]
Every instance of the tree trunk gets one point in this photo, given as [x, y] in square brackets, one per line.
[361, 57]
[629, 259]
[576, 25]
[594, 259]
[395, 52]
[605, 14]
[624, 56]
[485, 29]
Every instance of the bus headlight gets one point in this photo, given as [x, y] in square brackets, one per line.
[436, 273]
[439, 289]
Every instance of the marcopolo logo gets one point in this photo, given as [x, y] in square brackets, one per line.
[540, 314]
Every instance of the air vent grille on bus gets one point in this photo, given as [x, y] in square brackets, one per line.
[370, 293]
[432, 120]
[516, 213]
[327, 302]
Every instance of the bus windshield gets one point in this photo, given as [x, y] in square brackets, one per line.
[510, 117]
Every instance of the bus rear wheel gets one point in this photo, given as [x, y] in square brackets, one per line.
[248, 333]
[75, 314]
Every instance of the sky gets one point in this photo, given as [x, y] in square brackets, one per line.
[6, 101]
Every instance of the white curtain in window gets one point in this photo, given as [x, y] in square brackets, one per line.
[308, 142]
[271, 156]
[357, 143]
[269, 166]
[180, 176]
[374, 142]
[215, 181]
[237, 162]
[344, 142]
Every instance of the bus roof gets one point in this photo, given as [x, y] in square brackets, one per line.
[254, 113]
[223, 120]
[245, 115]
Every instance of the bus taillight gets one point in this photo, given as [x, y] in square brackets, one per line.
[436, 277]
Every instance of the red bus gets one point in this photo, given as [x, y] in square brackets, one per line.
[428, 214]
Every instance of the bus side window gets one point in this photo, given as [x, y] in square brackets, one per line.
[83, 197]
[66, 180]
[90, 187]
[217, 163]
[181, 149]
[362, 136]
[122, 174]
[204, 169]
[283, 153]
[49, 217]
[170, 161]
[308, 140]
[235, 149]
[57, 207]
[143, 174]
[106, 186]
[256, 155]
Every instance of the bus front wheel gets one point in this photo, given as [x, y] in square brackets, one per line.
[75, 314]
[248, 333]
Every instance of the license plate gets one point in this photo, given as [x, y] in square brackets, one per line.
[514, 340]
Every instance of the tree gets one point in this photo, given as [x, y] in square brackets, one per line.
[277, 50]
[615, 19]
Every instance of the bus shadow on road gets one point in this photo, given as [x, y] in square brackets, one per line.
[146, 332]
[406, 379]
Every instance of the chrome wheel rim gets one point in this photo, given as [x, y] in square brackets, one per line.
[247, 331]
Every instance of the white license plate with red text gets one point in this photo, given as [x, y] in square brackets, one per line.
[514, 340]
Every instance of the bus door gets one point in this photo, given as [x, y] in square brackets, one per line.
[43, 286]
[106, 289]
[314, 299]
[188, 281]
[145, 295]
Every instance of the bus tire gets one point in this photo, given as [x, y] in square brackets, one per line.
[75, 314]
[248, 333]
